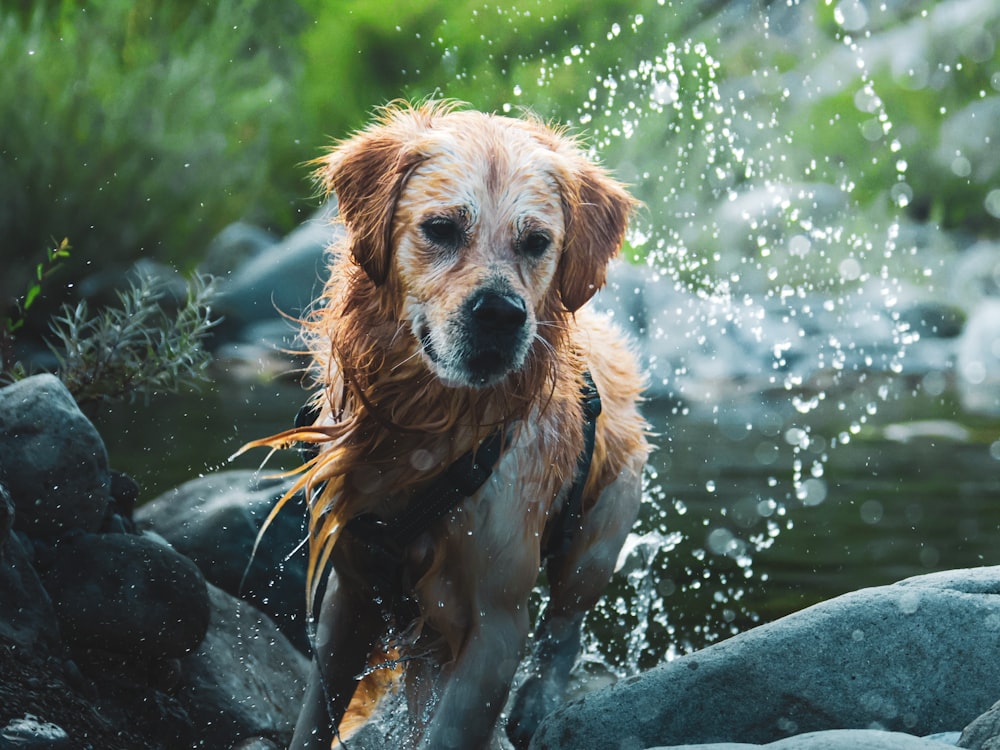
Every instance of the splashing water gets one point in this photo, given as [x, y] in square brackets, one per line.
[768, 300]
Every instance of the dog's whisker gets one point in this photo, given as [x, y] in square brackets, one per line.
[416, 353]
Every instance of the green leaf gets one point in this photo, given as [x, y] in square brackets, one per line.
[33, 292]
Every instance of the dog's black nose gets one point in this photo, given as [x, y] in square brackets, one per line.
[499, 313]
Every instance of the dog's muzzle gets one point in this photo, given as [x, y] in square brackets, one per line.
[495, 335]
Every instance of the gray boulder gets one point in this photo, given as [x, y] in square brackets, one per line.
[52, 459]
[917, 657]
[215, 520]
[28, 617]
[835, 739]
[127, 594]
[984, 732]
[281, 279]
[245, 680]
[978, 359]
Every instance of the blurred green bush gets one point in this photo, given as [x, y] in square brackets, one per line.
[140, 129]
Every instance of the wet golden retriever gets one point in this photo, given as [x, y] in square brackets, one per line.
[454, 317]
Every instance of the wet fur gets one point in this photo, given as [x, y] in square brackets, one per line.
[399, 397]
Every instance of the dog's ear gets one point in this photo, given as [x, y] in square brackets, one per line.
[367, 174]
[597, 210]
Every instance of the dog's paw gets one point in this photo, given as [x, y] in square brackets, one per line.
[535, 700]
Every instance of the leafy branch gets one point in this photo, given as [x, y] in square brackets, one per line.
[136, 347]
[53, 259]
[11, 323]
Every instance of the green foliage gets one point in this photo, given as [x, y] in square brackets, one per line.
[136, 348]
[142, 128]
[43, 269]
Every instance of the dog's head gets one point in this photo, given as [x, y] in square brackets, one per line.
[488, 229]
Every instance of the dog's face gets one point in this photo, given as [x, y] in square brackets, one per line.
[486, 228]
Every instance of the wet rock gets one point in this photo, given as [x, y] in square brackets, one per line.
[52, 459]
[849, 663]
[234, 247]
[257, 743]
[215, 520]
[976, 273]
[933, 319]
[103, 287]
[838, 739]
[983, 733]
[26, 613]
[32, 733]
[6, 516]
[978, 363]
[245, 680]
[282, 279]
[127, 594]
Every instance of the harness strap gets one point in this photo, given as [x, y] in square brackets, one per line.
[462, 479]
[387, 540]
[569, 521]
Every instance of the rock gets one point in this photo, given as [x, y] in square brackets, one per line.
[245, 680]
[235, 246]
[978, 363]
[918, 657]
[26, 613]
[983, 733]
[6, 516]
[215, 521]
[257, 743]
[127, 594]
[931, 319]
[836, 739]
[103, 287]
[30, 733]
[283, 279]
[52, 459]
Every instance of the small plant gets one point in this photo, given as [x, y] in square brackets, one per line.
[10, 324]
[53, 258]
[137, 347]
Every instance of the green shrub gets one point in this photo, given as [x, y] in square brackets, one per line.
[137, 347]
[142, 128]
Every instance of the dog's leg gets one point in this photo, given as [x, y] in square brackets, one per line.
[577, 579]
[349, 625]
[478, 683]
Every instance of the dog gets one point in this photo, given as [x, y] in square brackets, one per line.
[453, 332]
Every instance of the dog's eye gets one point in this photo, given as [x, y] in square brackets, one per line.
[535, 244]
[443, 231]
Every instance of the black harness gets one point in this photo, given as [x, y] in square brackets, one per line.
[386, 540]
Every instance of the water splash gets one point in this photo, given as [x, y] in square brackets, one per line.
[779, 270]
[770, 295]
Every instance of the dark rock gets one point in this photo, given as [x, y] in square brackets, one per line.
[917, 657]
[257, 743]
[835, 739]
[933, 319]
[127, 594]
[215, 520]
[124, 492]
[103, 287]
[235, 246]
[285, 278]
[245, 680]
[52, 459]
[26, 613]
[6, 516]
